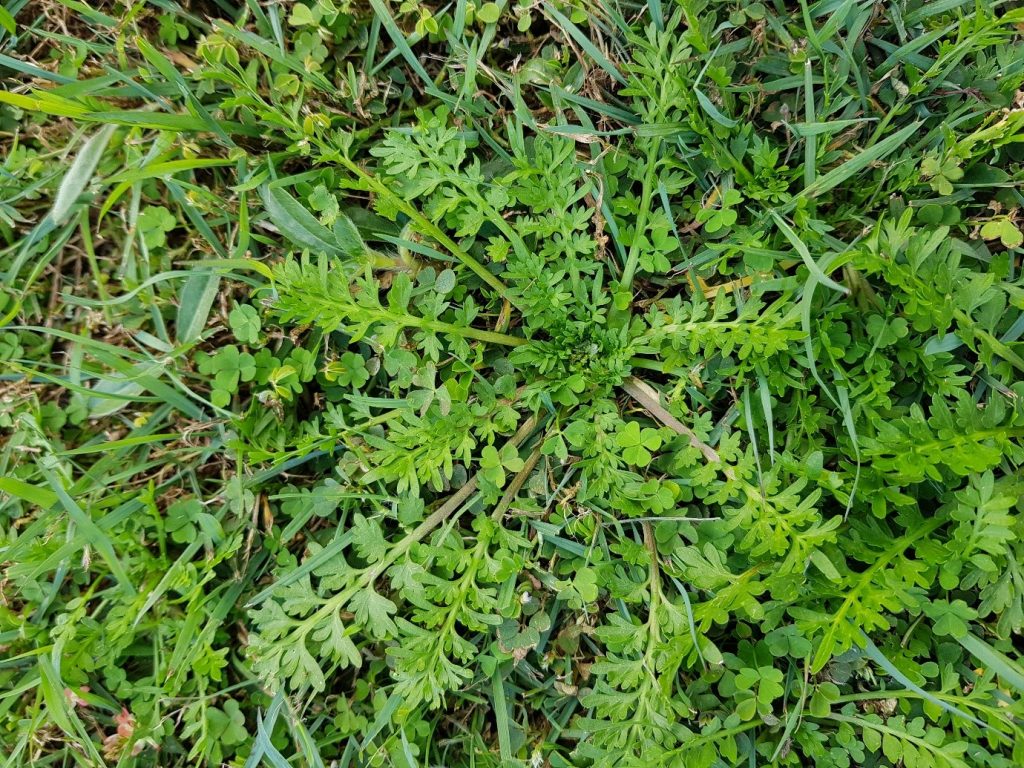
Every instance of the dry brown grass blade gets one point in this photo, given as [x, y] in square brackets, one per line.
[650, 399]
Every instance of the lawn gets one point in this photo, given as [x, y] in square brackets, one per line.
[538, 383]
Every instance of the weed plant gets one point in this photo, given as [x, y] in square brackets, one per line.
[555, 383]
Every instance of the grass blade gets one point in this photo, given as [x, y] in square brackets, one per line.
[880, 659]
[197, 297]
[381, 11]
[296, 223]
[1007, 669]
[851, 167]
[584, 42]
[817, 274]
[89, 530]
[80, 173]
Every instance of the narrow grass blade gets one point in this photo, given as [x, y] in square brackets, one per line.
[847, 170]
[1008, 670]
[817, 274]
[794, 717]
[60, 711]
[28, 69]
[394, 701]
[7, 21]
[295, 222]
[381, 11]
[33, 494]
[657, 14]
[713, 112]
[880, 659]
[583, 42]
[810, 141]
[501, 717]
[80, 173]
[273, 756]
[766, 409]
[89, 530]
[197, 297]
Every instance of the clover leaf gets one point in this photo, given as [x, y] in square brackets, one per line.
[493, 463]
[284, 381]
[766, 683]
[1003, 229]
[244, 320]
[950, 618]
[722, 217]
[154, 222]
[637, 443]
[941, 173]
[186, 518]
[228, 367]
[348, 370]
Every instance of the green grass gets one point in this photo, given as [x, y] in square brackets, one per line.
[511, 384]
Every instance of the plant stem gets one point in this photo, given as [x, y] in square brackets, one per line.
[633, 258]
[428, 227]
[442, 513]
